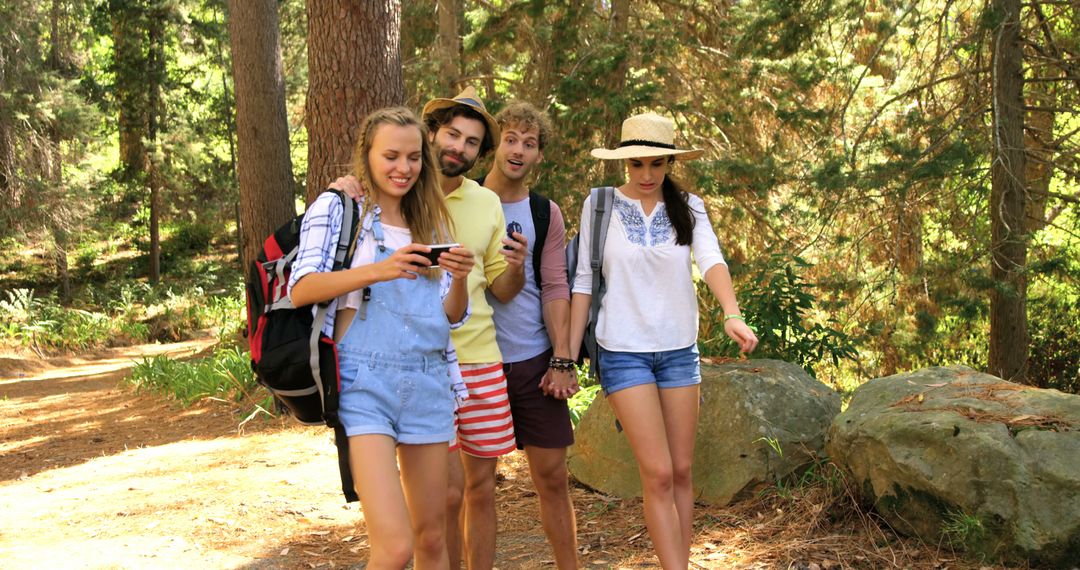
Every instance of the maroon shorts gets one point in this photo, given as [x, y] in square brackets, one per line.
[539, 420]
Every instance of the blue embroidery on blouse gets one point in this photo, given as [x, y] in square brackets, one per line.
[660, 229]
[632, 220]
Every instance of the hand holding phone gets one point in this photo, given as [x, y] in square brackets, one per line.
[510, 229]
[436, 251]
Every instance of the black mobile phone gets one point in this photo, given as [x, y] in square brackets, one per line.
[510, 229]
[437, 250]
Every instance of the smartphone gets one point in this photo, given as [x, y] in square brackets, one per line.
[510, 229]
[437, 250]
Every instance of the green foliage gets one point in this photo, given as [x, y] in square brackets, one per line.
[116, 315]
[1055, 346]
[579, 403]
[780, 305]
[962, 530]
[225, 375]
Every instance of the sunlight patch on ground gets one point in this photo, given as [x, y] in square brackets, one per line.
[129, 493]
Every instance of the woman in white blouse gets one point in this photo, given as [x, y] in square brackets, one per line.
[648, 320]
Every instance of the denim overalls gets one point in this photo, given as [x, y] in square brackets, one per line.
[394, 377]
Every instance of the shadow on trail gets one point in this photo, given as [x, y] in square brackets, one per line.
[60, 422]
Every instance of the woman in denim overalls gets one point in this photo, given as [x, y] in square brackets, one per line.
[393, 334]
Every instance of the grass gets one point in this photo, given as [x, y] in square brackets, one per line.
[225, 375]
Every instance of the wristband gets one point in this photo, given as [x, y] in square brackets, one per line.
[735, 316]
[561, 364]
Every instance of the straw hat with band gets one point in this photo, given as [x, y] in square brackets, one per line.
[470, 99]
[645, 136]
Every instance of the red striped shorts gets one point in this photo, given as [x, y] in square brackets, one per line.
[484, 425]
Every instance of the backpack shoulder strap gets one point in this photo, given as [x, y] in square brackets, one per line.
[349, 223]
[540, 207]
[602, 199]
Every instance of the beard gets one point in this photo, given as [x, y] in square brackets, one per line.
[450, 170]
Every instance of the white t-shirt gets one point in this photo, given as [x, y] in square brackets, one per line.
[650, 304]
[394, 237]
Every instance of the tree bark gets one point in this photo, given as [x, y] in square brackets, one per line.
[262, 130]
[354, 67]
[1008, 355]
[155, 77]
[130, 69]
[620, 13]
[449, 46]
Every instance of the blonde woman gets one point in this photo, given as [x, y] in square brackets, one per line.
[648, 321]
[393, 318]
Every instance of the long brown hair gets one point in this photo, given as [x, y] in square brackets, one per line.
[423, 206]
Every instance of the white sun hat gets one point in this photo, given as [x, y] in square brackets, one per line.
[647, 135]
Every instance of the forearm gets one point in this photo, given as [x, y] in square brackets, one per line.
[318, 287]
[579, 317]
[508, 284]
[557, 321]
[457, 300]
[718, 279]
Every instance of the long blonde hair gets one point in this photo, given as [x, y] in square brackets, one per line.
[423, 206]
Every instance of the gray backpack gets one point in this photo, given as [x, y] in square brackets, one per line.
[602, 200]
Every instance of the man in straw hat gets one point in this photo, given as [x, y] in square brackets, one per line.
[462, 131]
[533, 328]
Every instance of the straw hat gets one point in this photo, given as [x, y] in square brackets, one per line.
[644, 136]
[468, 98]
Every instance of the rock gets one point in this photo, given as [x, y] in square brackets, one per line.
[750, 409]
[953, 455]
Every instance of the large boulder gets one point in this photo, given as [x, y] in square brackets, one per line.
[760, 420]
[950, 454]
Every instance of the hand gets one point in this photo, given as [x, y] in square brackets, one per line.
[559, 384]
[515, 250]
[350, 185]
[458, 262]
[404, 263]
[740, 332]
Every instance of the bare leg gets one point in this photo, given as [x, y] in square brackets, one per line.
[382, 500]
[639, 411]
[548, 470]
[681, 408]
[480, 524]
[455, 492]
[423, 474]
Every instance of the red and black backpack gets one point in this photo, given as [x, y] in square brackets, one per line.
[290, 354]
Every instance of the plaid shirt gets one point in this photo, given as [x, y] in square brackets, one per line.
[318, 241]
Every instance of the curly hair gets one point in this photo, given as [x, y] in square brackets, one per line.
[526, 117]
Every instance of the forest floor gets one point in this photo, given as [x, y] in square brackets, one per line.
[95, 475]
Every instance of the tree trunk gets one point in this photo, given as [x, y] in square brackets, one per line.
[262, 130]
[130, 69]
[620, 12]
[1008, 195]
[354, 67]
[156, 68]
[58, 61]
[449, 46]
[1039, 167]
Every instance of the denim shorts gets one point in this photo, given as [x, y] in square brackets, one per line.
[666, 369]
[404, 396]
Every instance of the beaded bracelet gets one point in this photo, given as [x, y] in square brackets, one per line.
[561, 364]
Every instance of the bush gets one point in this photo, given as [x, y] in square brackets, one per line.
[225, 375]
[778, 303]
[1054, 360]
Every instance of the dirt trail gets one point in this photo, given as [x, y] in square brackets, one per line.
[93, 475]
